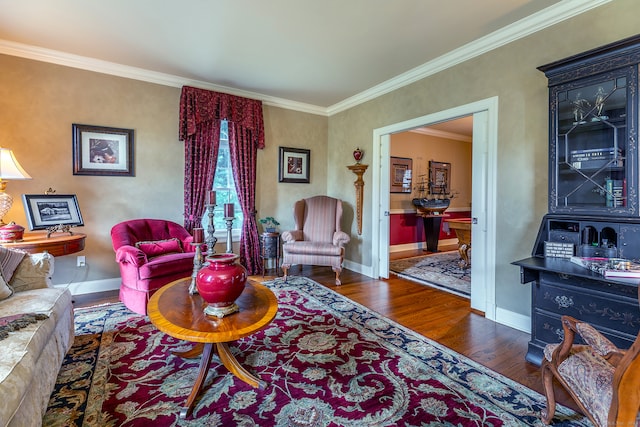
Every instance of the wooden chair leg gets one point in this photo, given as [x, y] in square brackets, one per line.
[337, 270]
[547, 382]
[285, 271]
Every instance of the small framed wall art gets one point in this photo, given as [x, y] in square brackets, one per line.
[439, 177]
[100, 150]
[294, 165]
[48, 210]
[401, 169]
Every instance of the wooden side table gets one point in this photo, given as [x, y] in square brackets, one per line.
[181, 315]
[56, 245]
[270, 249]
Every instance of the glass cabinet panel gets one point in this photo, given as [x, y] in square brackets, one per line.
[590, 151]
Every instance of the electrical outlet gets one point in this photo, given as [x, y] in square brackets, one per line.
[81, 261]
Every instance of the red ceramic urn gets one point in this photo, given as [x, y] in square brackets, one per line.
[220, 282]
[357, 155]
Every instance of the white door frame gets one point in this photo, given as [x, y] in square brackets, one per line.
[485, 153]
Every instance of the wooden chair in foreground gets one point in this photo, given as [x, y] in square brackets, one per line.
[603, 380]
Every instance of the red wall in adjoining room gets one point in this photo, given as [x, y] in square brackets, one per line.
[407, 228]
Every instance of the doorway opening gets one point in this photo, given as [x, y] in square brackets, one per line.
[430, 214]
[485, 124]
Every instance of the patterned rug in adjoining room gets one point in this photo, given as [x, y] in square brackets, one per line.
[440, 270]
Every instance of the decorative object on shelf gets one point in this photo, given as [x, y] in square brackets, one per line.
[198, 241]
[359, 169]
[62, 228]
[11, 232]
[269, 223]
[358, 154]
[229, 215]
[294, 165]
[434, 196]
[401, 170]
[52, 212]
[211, 239]
[220, 282]
[101, 150]
[10, 169]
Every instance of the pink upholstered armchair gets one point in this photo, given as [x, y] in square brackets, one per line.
[151, 253]
[317, 239]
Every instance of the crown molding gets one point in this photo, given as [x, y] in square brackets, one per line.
[442, 134]
[550, 16]
[105, 67]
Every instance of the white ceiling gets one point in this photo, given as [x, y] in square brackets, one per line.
[313, 54]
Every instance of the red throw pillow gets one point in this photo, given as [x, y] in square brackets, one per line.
[160, 247]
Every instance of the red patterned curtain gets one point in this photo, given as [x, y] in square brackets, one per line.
[244, 154]
[200, 114]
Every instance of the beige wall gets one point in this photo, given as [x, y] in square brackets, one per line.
[40, 101]
[510, 73]
[423, 148]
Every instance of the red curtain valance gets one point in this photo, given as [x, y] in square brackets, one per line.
[201, 105]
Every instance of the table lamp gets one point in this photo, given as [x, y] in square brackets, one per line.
[9, 169]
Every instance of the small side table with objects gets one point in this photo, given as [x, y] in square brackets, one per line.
[56, 244]
[270, 249]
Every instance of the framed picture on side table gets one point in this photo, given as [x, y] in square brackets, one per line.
[100, 150]
[46, 211]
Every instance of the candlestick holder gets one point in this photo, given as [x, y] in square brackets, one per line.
[211, 239]
[229, 221]
[197, 265]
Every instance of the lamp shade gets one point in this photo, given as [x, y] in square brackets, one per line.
[9, 166]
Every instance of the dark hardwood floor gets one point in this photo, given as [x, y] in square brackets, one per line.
[440, 316]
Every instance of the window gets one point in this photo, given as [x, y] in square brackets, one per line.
[225, 188]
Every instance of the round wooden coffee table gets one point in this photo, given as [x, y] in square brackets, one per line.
[180, 315]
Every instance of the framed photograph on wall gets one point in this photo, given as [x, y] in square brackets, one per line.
[401, 169]
[439, 177]
[48, 210]
[100, 150]
[294, 165]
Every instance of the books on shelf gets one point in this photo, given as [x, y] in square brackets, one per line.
[596, 158]
[614, 192]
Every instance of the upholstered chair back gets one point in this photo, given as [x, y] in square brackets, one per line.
[318, 217]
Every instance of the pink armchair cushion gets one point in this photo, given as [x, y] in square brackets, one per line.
[160, 247]
[313, 248]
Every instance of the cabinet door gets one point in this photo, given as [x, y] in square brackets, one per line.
[590, 156]
[629, 242]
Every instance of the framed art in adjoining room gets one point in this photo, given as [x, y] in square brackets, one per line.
[294, 165]
[100, 150]
[400, 175]
[48, 210]
[439, 177]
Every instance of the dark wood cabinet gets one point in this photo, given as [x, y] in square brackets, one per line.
[560, 287]
[593, 197]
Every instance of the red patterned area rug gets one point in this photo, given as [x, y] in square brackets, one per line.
[328, 362]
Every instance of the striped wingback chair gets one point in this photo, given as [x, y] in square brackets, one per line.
[317, 238]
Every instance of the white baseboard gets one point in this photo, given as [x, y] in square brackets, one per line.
[92, 286]
[514, 320]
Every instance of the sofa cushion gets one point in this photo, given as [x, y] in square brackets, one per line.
[5, 290]
[9, 260]
[33, 272]
[156, 248]
[22, 350]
